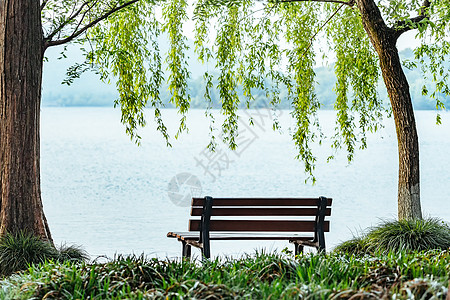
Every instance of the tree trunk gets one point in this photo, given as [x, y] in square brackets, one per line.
[20, 95]
[384, 40]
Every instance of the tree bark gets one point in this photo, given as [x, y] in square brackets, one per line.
[21, 62]
[384, 41]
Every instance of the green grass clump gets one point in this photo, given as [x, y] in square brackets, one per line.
[72, 253]
[356, 246]
[398, 275]
[18, 251]
[402, 235]
[410, 235]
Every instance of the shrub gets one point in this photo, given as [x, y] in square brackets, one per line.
[409, 235]
[355, 246]
[402, 235]
[72, 253]
[19, 250]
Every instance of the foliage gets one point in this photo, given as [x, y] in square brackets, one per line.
[356, 246]
[127, 49]
[88, 92]
[18, 251]
[402, 235]
[260, 276]
[410, 235]
[72, 253]
[259, 46]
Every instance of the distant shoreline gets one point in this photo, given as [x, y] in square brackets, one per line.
[200, 108]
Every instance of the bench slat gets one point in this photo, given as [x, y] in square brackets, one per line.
[240, 236]
[260, 201]
[258, 225]
[216, 211]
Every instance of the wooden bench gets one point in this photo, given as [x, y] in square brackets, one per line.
[300, 221]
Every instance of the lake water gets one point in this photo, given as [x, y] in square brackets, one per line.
[103, 192]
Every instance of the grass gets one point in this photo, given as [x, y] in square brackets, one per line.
[403, 235]
[18, 251]
[71, 253]
[391, 261]
[401, 275]
[356, 246]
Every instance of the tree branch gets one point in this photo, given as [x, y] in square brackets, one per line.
[43, 4]
[349, 3]
[72, 16]
[321, 27]
[80, 22]
[403, 26]
[80, 31]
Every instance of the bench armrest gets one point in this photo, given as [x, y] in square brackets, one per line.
[319, 235]
[205, 226]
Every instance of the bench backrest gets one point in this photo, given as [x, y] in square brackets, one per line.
[266, 214]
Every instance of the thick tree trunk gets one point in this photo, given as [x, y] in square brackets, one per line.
[20, 95]
[384, 40]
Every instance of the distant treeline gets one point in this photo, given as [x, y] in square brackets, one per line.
[89, 91]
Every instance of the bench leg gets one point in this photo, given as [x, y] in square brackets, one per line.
[206, 250]
[321, 248]
[298, 249]
[186, 252]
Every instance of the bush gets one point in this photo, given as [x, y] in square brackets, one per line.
[355, 246]
[18, 251]
[72, 253]
[409, 235]
[403, 235]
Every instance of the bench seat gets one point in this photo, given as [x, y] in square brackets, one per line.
[300, 221]
[189, 235]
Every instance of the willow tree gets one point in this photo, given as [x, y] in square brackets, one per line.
[363, 35]
[270, 45]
